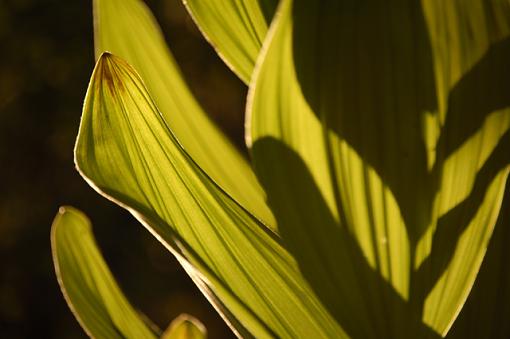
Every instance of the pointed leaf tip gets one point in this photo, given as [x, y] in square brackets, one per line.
[126, 150]
[107, 71]
[127, 29]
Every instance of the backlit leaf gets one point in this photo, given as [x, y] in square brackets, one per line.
[380, 132]
[185, 327]
[127, 28]
[236, 29]
[127, 152]
[88, 285]
[487, 308]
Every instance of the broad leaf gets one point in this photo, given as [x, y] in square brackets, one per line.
[380, 132]
[236, 29]
[88, 285]
[185, 327]
[128, 29]
[127, 152]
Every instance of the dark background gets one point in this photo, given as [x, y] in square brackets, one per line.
[46, 58]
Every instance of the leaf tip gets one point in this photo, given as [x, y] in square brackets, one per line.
[185, 326]
[107, 71]
[66, 209]
[73, 219]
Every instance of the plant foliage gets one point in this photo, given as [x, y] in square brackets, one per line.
[380, 140]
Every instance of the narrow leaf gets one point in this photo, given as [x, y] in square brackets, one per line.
[126, 151]
[88, 285]
[471, 76]
[236, 29]
[487, 308]
[380, 132]
[127, 28]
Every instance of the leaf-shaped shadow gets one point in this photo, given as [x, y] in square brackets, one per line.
[483, 90]
[454, 222]
[371, 81]
[338, 252]
[487, 310]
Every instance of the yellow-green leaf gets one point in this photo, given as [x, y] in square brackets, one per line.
[487, 309]
[236, 29]
[127, 152]
[127, 28]
[380, 132]
[185, 327]
[88, 285]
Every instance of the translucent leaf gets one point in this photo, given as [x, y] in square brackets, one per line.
[127, 28]
[487, 308]
[88, 285]
[380, 132]
[185, 327]
[127, 152]
[236, 29]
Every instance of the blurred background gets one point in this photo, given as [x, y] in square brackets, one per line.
[46, 58]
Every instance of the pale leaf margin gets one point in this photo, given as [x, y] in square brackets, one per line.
[235, 29]
[128, 29]
[72, 241]
[185, 326]
[309, 316]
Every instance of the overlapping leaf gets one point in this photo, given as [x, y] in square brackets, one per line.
[125, 149]
[127, 29]
[380, 132]
[236, 29]
[88, 285]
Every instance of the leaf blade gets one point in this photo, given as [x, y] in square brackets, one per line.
[126, 151]
[349, 104]
[185, 327]
[87, 284]
[236, 29]
[488, 303]
[128, 29]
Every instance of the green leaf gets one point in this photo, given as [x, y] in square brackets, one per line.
[380, 132]
[185, 327]
[473, 148]
[236, 29]
[127, 28]
[487, 308]
[127, 152]
[87, 284]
